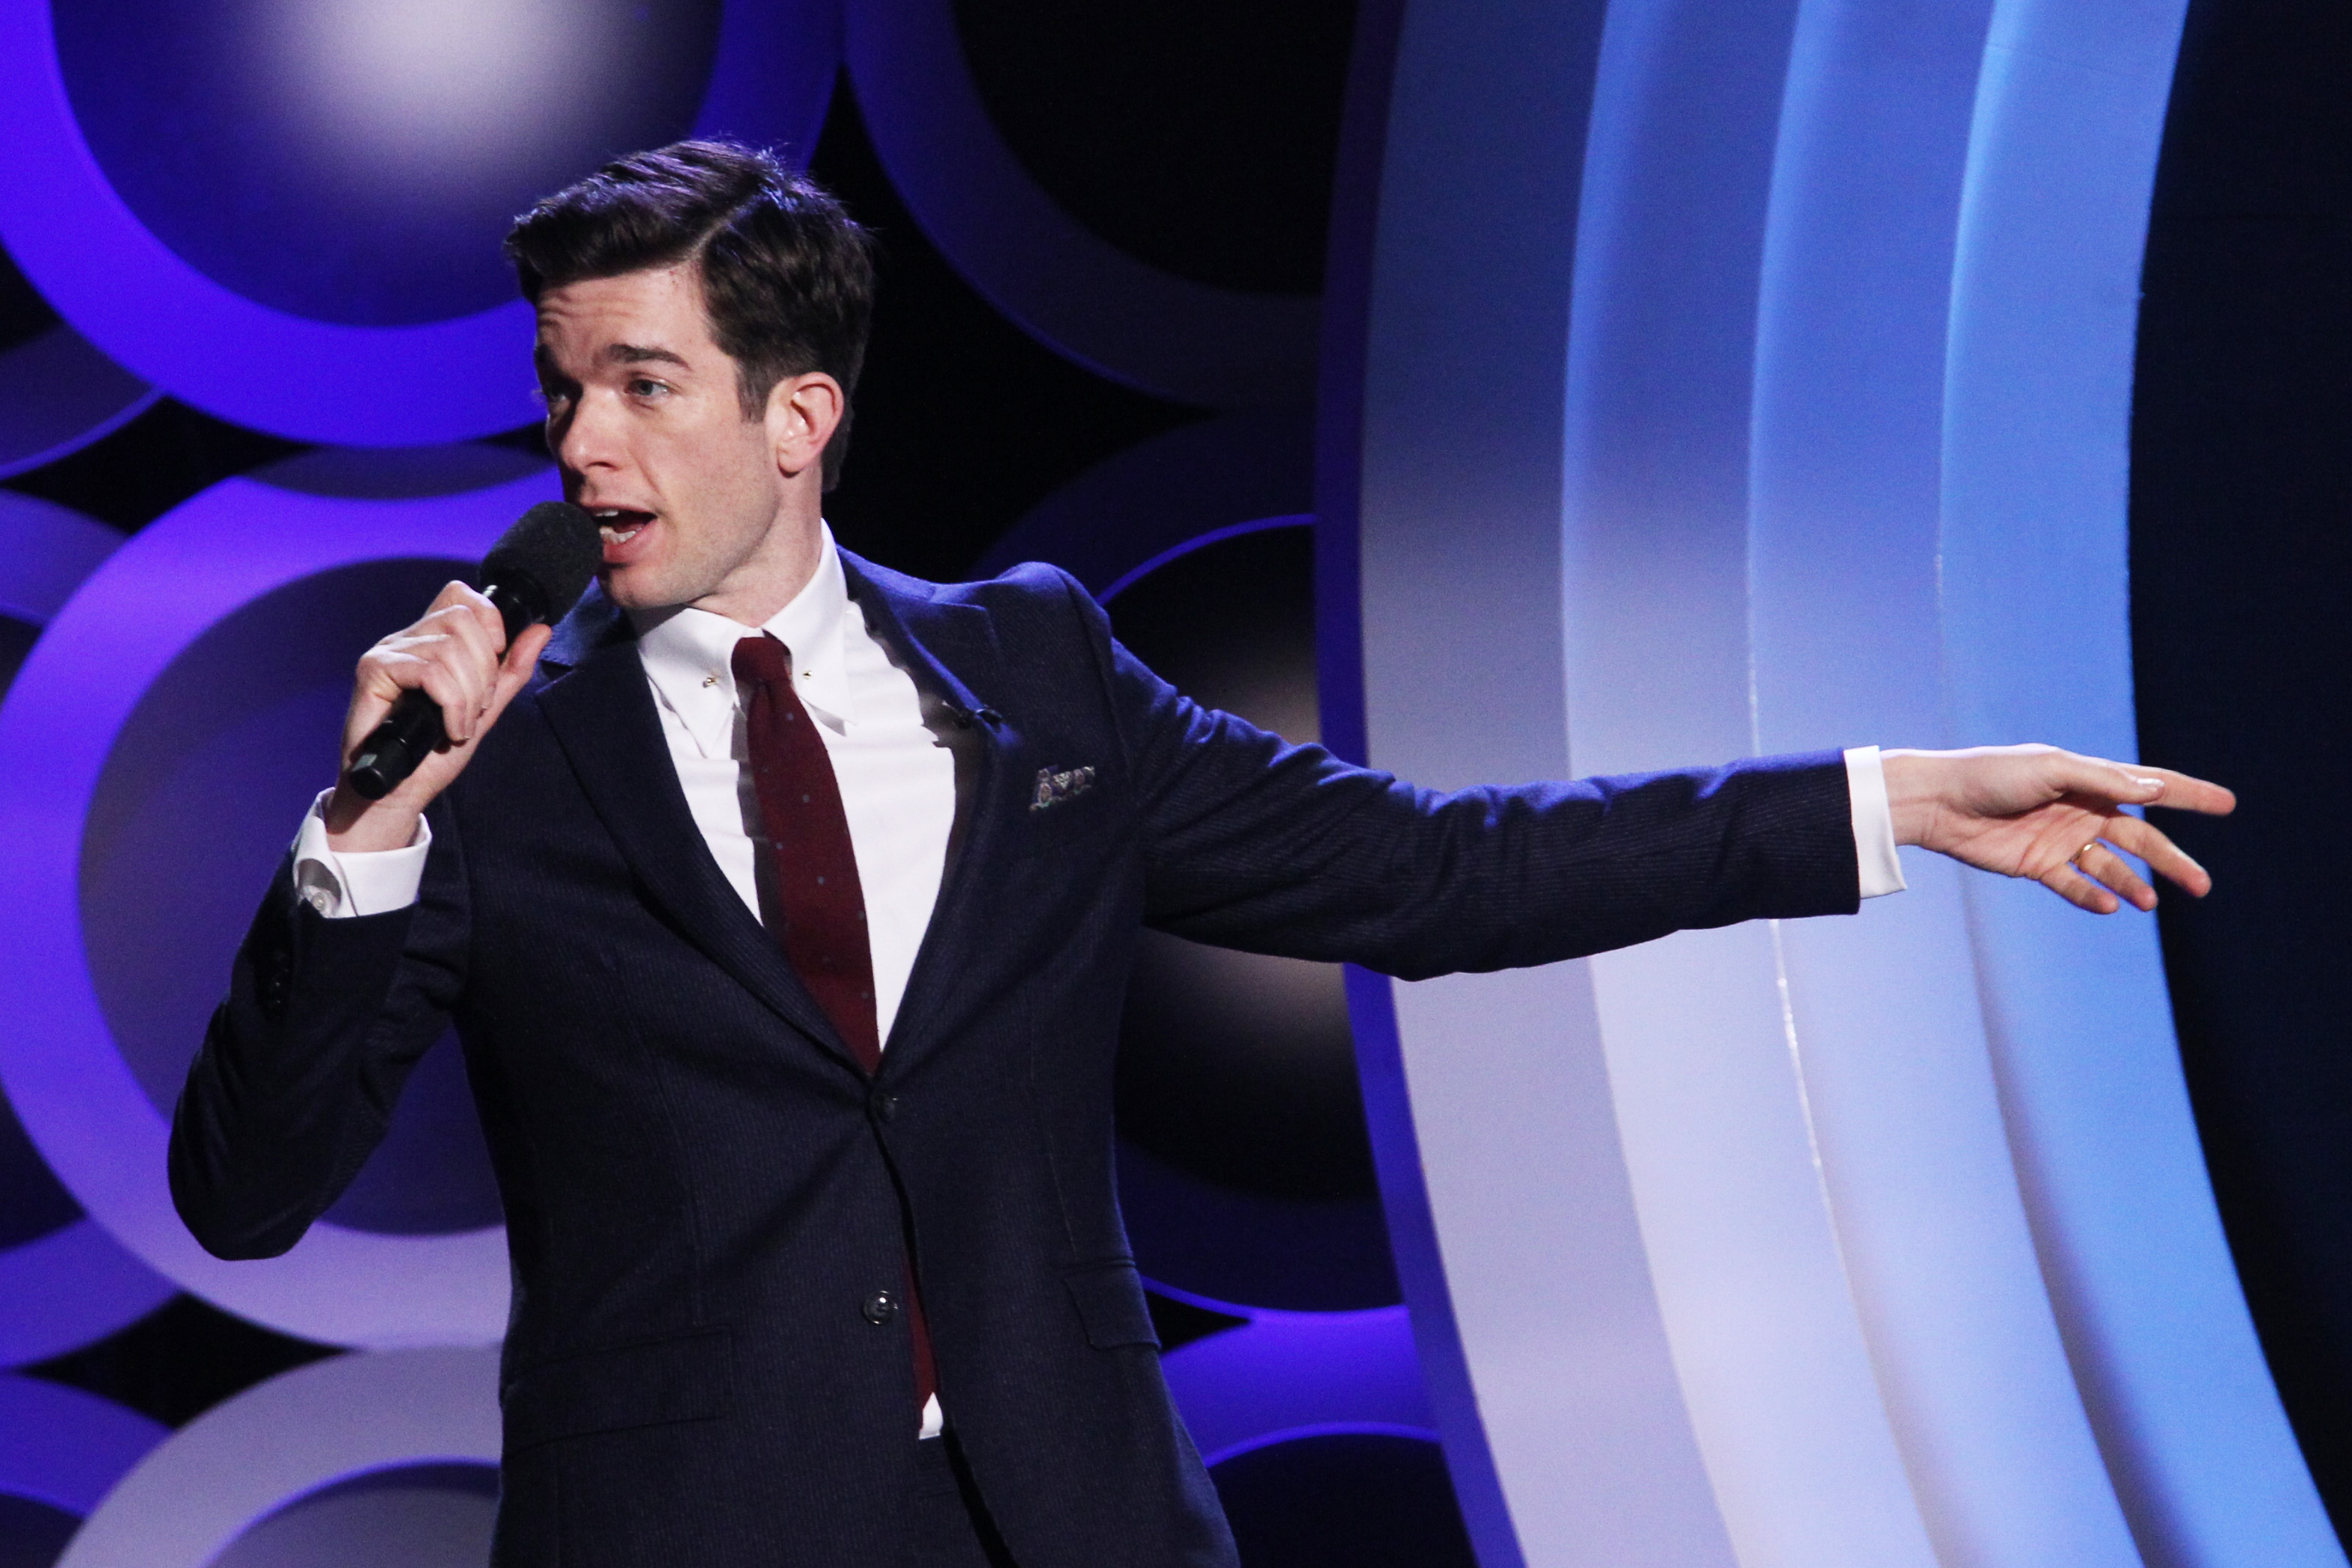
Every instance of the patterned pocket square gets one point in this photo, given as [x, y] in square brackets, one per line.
[1055, 785]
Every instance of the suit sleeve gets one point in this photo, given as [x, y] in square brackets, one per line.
[303, 1061]
[1252, 843]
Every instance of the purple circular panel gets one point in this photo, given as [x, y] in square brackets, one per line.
[336, 284]
[1065, 284]
[57, 393]
[1284, 1371]
[80, 1096]
[411, 1516]
[357, 162]
[47, 551]
[346, 1460]
[63, 1280]
[33, 1534]
[191, 815]
[66, 1449]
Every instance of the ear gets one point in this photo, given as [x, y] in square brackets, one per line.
[804, 410]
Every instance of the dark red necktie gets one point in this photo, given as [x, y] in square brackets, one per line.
[815, 878]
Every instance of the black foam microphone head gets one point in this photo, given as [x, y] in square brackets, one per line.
[541, 567]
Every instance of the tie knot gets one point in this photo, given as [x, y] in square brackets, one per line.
[762, 660]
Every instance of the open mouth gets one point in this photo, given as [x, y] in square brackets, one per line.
[619, 525]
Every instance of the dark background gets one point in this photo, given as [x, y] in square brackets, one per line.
[1201, 136]
[2242, 556]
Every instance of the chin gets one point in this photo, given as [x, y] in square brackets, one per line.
[634, 586]
[628, 590]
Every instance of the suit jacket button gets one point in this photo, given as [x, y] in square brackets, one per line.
[886, 1106]
[881, 1309]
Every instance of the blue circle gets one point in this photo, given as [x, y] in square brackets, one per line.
[58, 394]
[65, 1450]
[66, 1074]
[359, 163]
[64, 1283]
[202, 785]
[83, 244]
[385, 1432]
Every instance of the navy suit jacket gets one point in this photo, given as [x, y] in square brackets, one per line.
[702, 1190]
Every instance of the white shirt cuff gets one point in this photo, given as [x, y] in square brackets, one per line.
[351, 882]
[1874, 823]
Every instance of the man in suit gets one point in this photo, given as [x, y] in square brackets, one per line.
[785, 905]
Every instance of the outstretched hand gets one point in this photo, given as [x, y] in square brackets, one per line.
[2037, 811]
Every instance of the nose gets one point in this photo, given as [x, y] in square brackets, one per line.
[587, 438]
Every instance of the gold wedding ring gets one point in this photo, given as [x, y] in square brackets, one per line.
[2077, 857]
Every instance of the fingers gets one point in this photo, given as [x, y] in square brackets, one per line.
[2112, 872]
[461, 638]
[2079, 890]
[2164, 857]
[2098, 866]
[521, 662]
[2098, 778]
[2137, 785]
[2185, 793]
[452, 654]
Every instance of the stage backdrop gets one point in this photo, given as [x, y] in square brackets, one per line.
[1488, 390]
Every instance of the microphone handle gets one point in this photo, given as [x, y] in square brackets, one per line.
[409, 734]
[412, 730]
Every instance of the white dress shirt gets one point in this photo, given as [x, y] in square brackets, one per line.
[1879, 869]
[897, 782]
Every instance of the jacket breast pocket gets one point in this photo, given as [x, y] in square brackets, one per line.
[1110, 1305]
[651, 1383]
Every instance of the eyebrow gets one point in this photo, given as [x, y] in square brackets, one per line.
[639, 354]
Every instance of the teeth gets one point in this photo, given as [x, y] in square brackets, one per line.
[614, 530]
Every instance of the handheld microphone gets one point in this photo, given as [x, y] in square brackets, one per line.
[537, 571]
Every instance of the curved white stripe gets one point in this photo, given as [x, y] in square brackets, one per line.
[2036, 453]
[1771, 1353]
[1844, 473]
[1548, 1362]
[190, 1497]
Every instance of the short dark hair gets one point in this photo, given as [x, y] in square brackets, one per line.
[787, 277]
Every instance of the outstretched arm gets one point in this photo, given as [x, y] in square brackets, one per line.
[2037, 811]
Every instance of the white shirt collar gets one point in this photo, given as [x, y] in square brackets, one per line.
[689, 654]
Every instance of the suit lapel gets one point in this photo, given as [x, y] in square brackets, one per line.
[602, 712]
[939, 641]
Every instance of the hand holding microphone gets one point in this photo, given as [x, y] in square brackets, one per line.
[426, 693]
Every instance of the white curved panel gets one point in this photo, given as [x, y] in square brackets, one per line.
[64, 1075]
[1892, 1239]
[2035, 536]
[1547, 1361]
[1845, 474]
[188, 1501]
[1773, 1362]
